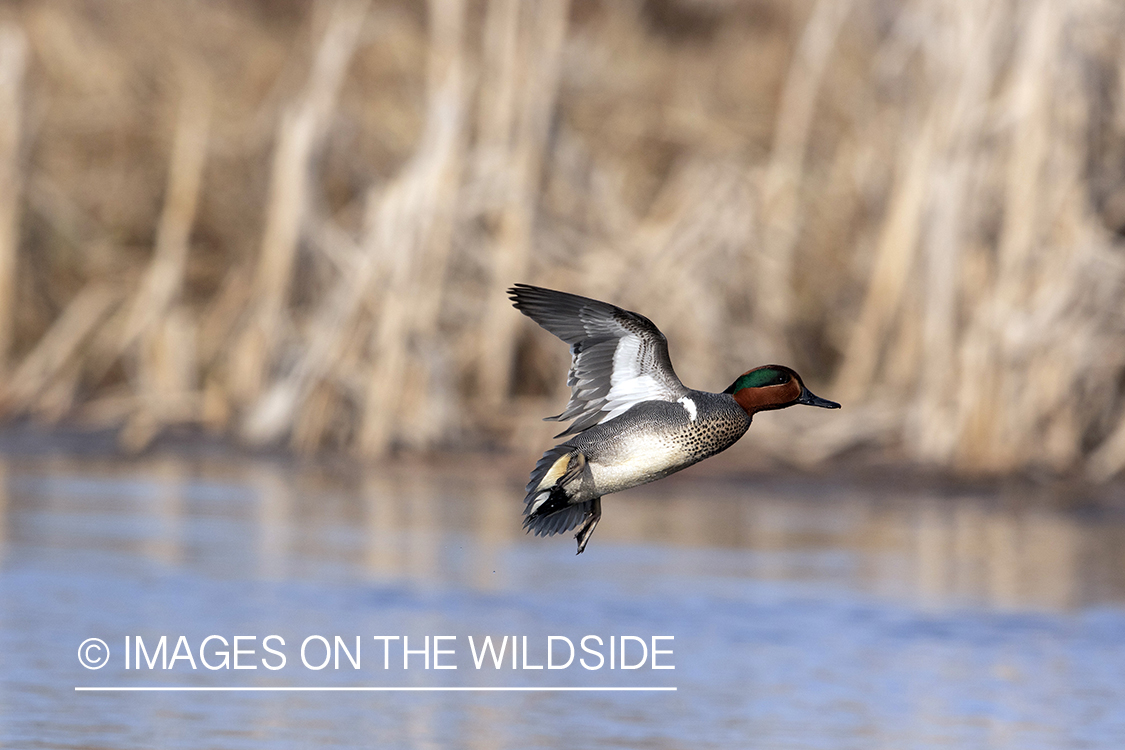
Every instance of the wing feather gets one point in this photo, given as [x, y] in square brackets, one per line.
[618, 358]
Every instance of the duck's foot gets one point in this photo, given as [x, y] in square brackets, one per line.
[587, 529]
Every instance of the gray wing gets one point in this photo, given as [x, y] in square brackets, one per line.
[618, 358]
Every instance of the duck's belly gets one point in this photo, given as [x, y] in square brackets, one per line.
[638, 460]
[655, 439]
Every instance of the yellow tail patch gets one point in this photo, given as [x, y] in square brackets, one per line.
[558, 468]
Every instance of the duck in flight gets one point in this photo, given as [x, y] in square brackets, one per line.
[633, 420]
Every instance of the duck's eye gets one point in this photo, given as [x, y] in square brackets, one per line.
[781, 379]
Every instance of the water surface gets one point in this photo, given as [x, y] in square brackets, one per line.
[803, 615]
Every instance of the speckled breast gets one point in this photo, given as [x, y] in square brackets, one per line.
[658, 438]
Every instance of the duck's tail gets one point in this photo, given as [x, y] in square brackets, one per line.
[549, 506]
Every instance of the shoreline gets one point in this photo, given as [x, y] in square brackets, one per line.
[871, 473]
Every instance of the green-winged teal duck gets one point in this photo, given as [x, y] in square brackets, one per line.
[633, 420]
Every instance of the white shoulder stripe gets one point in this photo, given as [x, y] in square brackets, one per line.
[690, 406]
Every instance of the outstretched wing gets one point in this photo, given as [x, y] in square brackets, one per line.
[618, 358]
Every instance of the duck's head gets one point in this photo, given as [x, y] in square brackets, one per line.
[773, 387]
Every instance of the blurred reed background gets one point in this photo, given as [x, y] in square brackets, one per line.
[293, 222]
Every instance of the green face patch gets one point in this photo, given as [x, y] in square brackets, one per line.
[760, 378]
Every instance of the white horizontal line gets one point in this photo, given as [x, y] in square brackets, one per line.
[380, 689]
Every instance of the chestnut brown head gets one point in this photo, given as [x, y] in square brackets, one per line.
[773, 387]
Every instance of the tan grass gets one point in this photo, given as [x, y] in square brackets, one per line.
[13, 62]
[297, 227]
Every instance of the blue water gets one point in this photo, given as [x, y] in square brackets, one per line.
[823, 619]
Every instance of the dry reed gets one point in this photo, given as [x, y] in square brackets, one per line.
[13, 61]
[298, 227]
